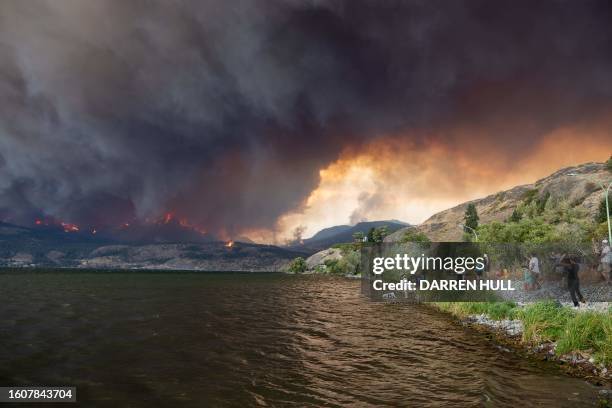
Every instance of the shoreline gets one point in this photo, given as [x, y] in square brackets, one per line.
[508, 333]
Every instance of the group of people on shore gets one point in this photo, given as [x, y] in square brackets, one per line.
[569, 266]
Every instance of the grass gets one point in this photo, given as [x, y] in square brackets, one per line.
[544, 321]
[495, 310]
[589, 332]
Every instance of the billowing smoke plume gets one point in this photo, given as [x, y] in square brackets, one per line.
[224, 112]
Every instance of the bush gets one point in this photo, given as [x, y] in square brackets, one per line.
[413, 235]
[529, 195]
[347, 265]
[526, 230]
[298, 265]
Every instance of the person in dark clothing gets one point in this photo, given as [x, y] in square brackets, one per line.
[571, 267]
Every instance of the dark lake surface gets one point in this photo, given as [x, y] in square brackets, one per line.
[176, 339]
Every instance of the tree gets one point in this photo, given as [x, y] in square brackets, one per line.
[377, 235]
[609, 164]
[601, 212]
[516, 215]
[298, 265]
[541, 202]
[371, 235]
[471, 217]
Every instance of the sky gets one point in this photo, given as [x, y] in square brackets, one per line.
[254, 118]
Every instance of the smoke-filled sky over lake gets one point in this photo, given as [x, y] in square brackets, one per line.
[254, 117]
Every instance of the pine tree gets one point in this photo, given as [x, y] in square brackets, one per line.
[516, 215]
[601, 212]
[471, 217]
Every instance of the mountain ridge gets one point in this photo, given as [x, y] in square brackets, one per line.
[576, 184]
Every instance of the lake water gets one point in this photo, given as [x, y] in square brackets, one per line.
[199, 340]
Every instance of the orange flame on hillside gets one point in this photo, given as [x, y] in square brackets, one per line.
[52, 222]
[68, 227]
[229, 244]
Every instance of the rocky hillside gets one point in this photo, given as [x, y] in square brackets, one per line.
[578, 185]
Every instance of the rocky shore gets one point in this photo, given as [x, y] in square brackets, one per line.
[508, 335]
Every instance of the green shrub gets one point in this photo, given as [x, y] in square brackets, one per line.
[529, 195]
[320, 269]
[413, 235]
[298, 265]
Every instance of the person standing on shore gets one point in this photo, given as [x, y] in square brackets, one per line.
[571, 267]
[534, 270]
[606, 261]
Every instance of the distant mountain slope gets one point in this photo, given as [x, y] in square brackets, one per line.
[328, 232]
[578, 185]
[344, 233]
[50, 247]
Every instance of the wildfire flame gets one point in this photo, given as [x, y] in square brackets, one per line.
[68, 227]
[52, 222]
[229, 244]
[168, 218]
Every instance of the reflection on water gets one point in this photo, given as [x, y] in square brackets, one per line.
[188, 339]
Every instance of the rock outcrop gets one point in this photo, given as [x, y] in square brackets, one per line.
[320, 257]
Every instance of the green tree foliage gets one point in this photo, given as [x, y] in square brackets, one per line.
[353, 259]
[298, 265]
[347, 265]
[558, 222]
[413, 235]
[609, 164]
[541, 202]
[471, 217]
[601, 212]
[526, 230]
[516, 216]
[529, 195]
[377, 235]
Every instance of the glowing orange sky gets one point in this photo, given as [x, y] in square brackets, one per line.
[393, 178]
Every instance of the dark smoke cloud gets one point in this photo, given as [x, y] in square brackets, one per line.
[224, 112]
